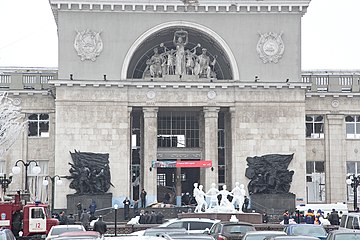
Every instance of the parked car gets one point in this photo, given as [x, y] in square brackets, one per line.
[306, 230]
[192, 225]
[157, 231]
[6, 234]
[59, 229]
[227, 230]
[344, 235]
[260, 235]
[350, 221]
[186, 236]
[133, 237]
[291, 238]
[80, 235]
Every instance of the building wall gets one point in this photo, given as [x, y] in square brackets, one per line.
[120, 30]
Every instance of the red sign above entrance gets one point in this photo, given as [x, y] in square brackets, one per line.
[182, 164]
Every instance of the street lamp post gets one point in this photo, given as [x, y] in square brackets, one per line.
[354, 182]
[116, 208]
[16, 170]
[58, 180]
[5, 182]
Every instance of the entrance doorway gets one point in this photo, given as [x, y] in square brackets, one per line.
[167, 187]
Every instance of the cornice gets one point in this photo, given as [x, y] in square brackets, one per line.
[213, 6]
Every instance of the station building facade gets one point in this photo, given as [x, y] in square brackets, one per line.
[160, 81]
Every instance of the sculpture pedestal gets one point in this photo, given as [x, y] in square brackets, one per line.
[254, 218]
[102, 201]
[273, 204]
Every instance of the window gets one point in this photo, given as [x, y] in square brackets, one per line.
[352, 167]
[314, 126]
[178, 130]
[38, 125]
[37, 213]
[315, 181]
[352, 126]
[161, 179]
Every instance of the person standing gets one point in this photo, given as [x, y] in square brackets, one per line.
[71, 219]
[334, 217]
[85, 219]
[245, 204]
[286, 217]
[63, 218]
[126, 203]
[100, 226]
[92, 209]
[143, 198]
[79, 210]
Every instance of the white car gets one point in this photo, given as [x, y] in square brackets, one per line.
[55, 231]
[192, 225]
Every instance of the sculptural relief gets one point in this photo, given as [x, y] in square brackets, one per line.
[179, 60]
[88, 44]
[270, 47]
[90, 173]
[269, 174]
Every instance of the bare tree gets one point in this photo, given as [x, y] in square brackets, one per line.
[11, 123]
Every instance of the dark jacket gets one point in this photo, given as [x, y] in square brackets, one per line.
[100, 226]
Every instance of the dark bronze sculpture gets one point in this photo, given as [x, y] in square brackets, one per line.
[269, 174]
[90, 172]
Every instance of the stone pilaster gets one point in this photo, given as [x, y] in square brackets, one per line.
[335, 162]
[211, 145]
[150, 150]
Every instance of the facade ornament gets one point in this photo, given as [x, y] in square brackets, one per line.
[88, 44]
[270, 47]
[211, 94]
[335, 103]
[180, 61]
[150, 94]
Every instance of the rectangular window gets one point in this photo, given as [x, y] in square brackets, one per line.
[315, 181]
[314, 126]
[178, 130]
[161, 179]
[352, 126]
[38, 125]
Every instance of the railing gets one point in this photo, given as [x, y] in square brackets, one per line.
[321, 81]
[36, 80]
[332, 81]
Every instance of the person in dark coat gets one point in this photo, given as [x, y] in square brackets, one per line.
[92, 209]
[71, 219]
[85, 219]
[245, 204]
[79, 210]
[159, 218]
[126, 203]
[143, 198]
[153, 217]
[334, 217]
[286, 217]
[63, 220]
[100, 226]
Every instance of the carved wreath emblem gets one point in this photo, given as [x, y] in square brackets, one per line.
[270, 47]
[88, 44]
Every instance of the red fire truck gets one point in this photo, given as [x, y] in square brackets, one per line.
[29, 220]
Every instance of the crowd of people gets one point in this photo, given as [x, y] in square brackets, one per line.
[312, 217]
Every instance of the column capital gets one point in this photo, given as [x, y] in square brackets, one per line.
[211, 112]
[335, 118]
[150, 112]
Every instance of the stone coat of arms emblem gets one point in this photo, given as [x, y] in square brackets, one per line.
[270, 47]
[88, 44]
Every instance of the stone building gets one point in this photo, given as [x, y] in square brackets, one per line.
[153, 82]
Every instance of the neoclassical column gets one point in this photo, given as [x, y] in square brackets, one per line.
[335, 173]
[211, 144]
[150, 153]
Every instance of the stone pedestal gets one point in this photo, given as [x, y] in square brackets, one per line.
[103, 201]
[254, 218]
[273, 204]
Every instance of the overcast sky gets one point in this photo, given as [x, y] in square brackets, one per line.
[330, 34]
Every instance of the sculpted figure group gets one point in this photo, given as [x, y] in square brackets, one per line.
[180, 61]
[215, 200]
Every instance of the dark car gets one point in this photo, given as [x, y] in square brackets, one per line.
[230, 230]
[306, 230]
[261, 235]
[344, 235]
[6, 234]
